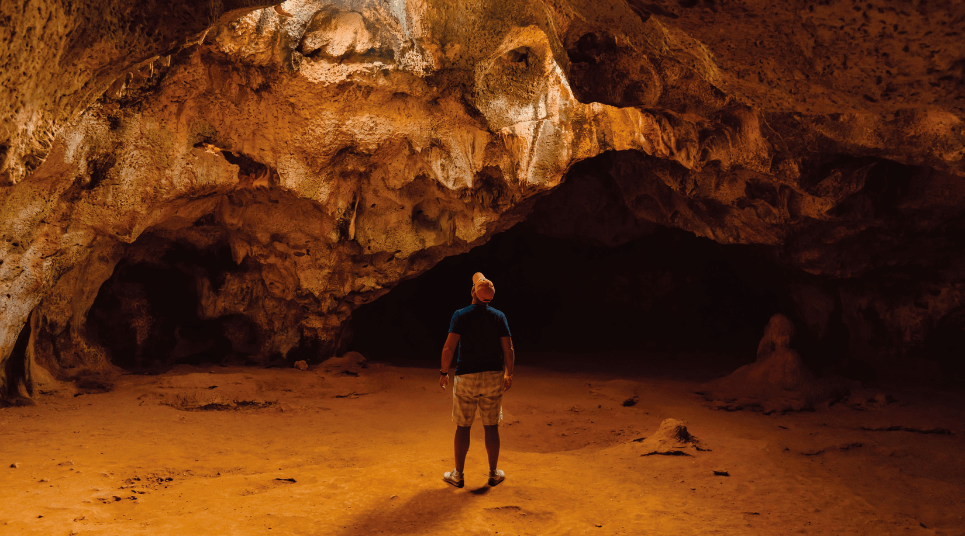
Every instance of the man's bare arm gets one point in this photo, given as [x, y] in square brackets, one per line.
[448, 351]
[509, 361]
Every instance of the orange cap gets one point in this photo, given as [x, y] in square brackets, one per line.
[482, 287]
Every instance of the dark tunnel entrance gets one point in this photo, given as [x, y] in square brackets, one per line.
[149, 316]
[661, 302]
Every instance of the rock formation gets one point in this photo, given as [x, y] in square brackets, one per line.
[778, 380]
[670, 439]
[61, 56]
[278, 167]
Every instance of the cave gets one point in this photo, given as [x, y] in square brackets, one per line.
[725, 237]
[664, 301]
[667, 297]
[149, 317]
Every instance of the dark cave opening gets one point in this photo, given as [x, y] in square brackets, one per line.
[666, 297]
[947, 345]
[149, 317]
[15, 367]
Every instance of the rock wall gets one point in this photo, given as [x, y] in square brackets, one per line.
[336, 148]
[60, 56]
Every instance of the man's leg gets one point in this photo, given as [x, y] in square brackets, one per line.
[492, 445]
[462, 446]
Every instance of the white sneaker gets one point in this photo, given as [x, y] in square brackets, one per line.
[454, 478]
[496, 476]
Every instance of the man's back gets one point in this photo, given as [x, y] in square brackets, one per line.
[479, 339]
[480, 328]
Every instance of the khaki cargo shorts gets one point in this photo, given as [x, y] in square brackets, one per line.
[482, 389]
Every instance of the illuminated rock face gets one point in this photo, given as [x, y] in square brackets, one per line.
[299, 160]
[60, 56]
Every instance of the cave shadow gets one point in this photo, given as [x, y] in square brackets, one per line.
[947, 345]
[15, 371]
[419, 514]
[148, 316]
[668, 304]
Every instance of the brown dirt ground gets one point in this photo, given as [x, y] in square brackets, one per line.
[318, 452]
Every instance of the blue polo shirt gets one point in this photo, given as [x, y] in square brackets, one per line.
[479, 327]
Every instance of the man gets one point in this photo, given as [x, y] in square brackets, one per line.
[479, 338]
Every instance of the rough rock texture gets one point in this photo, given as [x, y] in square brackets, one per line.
[60, 56]
[300, 160]
[670, 439]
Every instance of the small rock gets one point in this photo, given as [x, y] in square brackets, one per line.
[67, 463]
[15, 465]
[671, 436]
[629, 402]
[301, 365]
[721, 473]
[45, 480]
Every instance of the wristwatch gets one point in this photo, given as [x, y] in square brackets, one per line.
[443, 372]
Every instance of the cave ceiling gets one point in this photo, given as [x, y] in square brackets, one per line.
[336, 148]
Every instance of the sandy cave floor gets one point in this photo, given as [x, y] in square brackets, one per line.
[319, 452]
